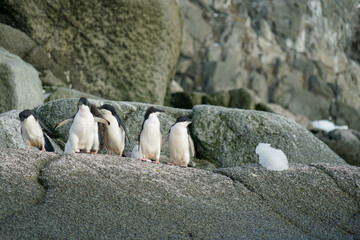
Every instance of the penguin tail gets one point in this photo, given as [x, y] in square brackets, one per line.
[48, 146]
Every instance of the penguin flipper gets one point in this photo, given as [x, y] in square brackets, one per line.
[192, 147]
[101, 120]
[48, 146]
[64, 122]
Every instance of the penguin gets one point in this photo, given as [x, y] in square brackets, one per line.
[82, 132]
[179, 142]
[114, 135]
[32, 133]
[150, 136]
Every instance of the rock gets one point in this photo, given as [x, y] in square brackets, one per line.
[218, 99]
[20, 188]
[302, 102]
[61, 92]
[21, 86]
[344, 142]
[115, 50]
[340, 113]
[222, 76]
[85, 196]
[186, 99]
[15, 41]
[259, 85]
[238, 98]
[175, 87]
[18, 43]
[48, 79]
[10, 130]
[285, 51]
[242, 98]
[286, 194]
[300, 119]
[230, 136]
[131, 113]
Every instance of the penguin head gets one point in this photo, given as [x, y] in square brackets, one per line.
[108, 107]
[151, 111]
[25, 114]
[183, 121]
[83, 102]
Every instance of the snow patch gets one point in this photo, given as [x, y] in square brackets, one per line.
[136, 152]
[271, 158]
[327, 125]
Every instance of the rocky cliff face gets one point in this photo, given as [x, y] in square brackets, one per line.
[123, 50]
[291, 53]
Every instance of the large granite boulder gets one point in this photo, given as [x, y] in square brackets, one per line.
[20, 84]
[223, 137]
[121, 50]
[83, 196]
[226, 137]
[289, 52]
[345, 142]
[10, 133]
[20, 44]
[230, 136]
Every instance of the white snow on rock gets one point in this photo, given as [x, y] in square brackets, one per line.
[327, 125]
[136, 152]
[271, 158]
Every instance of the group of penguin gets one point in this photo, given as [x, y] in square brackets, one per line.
[94, 128]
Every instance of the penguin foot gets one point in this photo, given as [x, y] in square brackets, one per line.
[95, 152]
[184, 166]
[156, 161]
[144, 159]
[171, 163]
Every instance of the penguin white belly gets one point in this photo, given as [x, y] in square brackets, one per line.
[32, 133]
[116, 141]
[81, 133]
[150, 140]
[179, 146]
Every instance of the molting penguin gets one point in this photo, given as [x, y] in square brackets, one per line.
[114, 135]
[179, 142]
[32, 133]
[97, 128]
[82, 131]
[150, 136]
